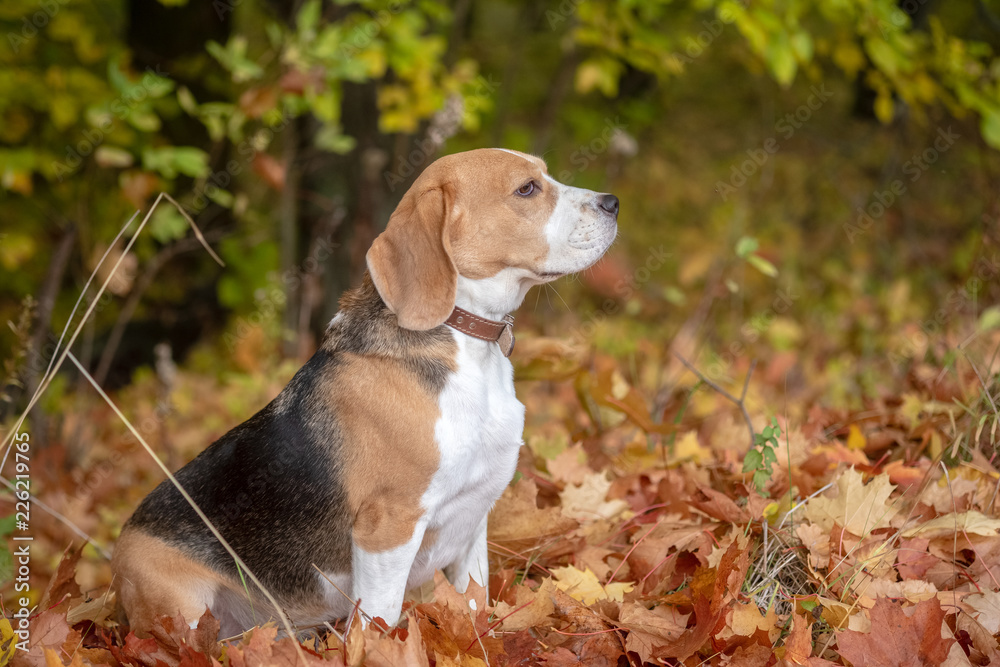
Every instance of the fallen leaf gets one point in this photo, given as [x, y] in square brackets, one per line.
[570, 466]
[987, 609]
[718, 505]
[62, 586]
[817, 541]
[530, 609]
[859, 508]
[517, 523]
[687, 448]
[651, 629]
[971, 523]
[745, 620]
[855, 438]
[48, 630]
[96, 611]
[898, 640]
[798, 644]
[587, 501]
[384, 651]
[585, 587]
[8, 640]
[560, 657]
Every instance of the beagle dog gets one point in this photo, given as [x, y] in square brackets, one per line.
[381, 459]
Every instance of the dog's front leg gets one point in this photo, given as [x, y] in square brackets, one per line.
[474, 564]
[379, 578]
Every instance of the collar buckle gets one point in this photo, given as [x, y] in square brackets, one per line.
[501, 333]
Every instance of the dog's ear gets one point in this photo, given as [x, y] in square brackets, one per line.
[410, 262]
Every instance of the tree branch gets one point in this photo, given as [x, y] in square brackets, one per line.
[739, 402]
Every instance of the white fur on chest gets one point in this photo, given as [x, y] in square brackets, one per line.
[478, 435]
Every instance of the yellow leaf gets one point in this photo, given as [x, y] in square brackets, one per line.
[856, 440]
[971, 523]
[15, 250]
[689, 448]
[858, 507]
[746, 620]
[584, 586]
[884, 107]
[911, 408]
[7, 641]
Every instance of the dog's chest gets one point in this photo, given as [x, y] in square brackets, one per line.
[478, 436]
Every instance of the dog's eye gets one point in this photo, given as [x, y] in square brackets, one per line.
[526, 189]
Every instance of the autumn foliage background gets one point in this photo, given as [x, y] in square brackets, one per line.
[761, 431]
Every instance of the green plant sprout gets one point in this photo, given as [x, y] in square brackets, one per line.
[761, 458]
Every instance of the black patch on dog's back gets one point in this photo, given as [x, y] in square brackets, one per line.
[273, 485]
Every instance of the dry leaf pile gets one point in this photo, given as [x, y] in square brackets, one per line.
[632, 536]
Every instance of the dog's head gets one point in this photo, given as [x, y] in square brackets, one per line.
[491, 222]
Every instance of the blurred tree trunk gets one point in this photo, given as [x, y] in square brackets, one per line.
[41, 331]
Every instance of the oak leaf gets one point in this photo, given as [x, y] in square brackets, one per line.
[898, 640]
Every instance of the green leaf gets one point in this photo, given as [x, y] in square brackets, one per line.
[762, 265]
[173, 160]
[752, 461]
[186, 99]
[990, 319]
[330, 138]
[989, 125]
[233, 58]
[746, 245]
[167, 224]
[780, 59]
[308, 18]
[223, 198]
[760, 479]
[769, 458]
[601, 73]
[802, 45]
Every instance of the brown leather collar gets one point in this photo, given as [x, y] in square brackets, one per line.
[501, 333]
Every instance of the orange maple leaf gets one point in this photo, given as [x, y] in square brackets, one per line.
[896, 639]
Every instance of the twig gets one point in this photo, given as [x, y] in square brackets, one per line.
[133, 299]
[354, 603]
[54, 363]
[739, 402]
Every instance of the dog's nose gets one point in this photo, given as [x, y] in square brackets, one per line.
[609, 203]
